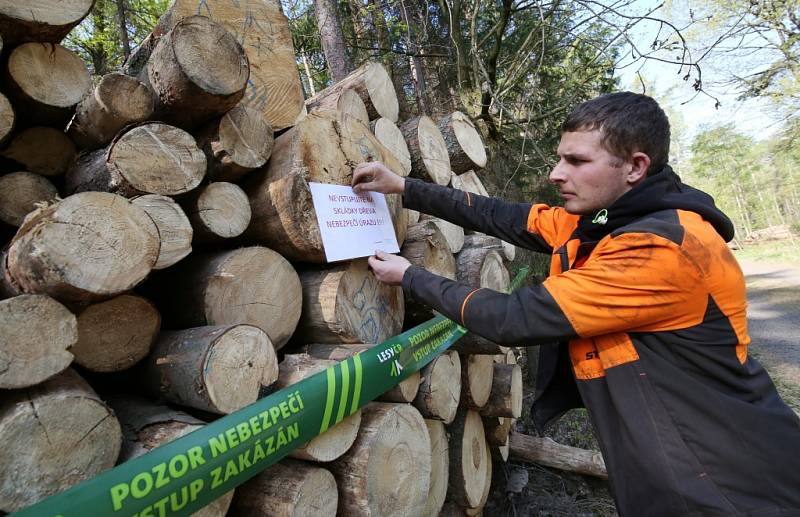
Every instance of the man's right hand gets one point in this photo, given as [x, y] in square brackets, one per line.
[376, 177]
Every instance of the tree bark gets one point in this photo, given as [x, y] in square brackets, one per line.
[482, 267]
[44, 83]
[26, 149]
[390, 434]
[89, 246]
[429, 159]
[426, 247]
[440, 467]
[338, 438]
[507, 250]
[20, 193]
[174, 229]
[218, 211]
[405, 391]
[251, 285]
[506, 396]
[440, 388]
[347, 304]
[464, 144]
[217, 369]
[288, 489]
[151, 158]
[75, 436]
[36, 333]
[546, 452]
[321, 148]
[237, 143]
[348, 101]
[117, 101]
[45, 21]
[372, 83]
[198, 72]
[115, 335]
[332, 39]
[470, 468]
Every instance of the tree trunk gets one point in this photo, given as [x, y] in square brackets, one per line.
[36, 333]
[218, 211]
[7, 116]
[372, 83]
[347, 304]
[236, 144]
[198, 72]
[26, 149]
[117, 101]
[20, 192]
[116, 334]
[174, 229]
[68, 434]
[321, 149]
[464, 144]
[122, 18]
[476, 380]
[506, 397]
[288, 489]
[338, 438]
[429, 159]
[392, 138]
[453, 234]
[147, 426]
[546, 452]
[497, 429]
[405, 391]
[440, 467]
[440, 388]
[218, 369]
[44, 83]
[348, 101]
[482, 267]
[470, 468]
[151, 158]
[42, 21]
[89, 246]
[391, 435]
[332, 39]
[251, 285]
[507, 250]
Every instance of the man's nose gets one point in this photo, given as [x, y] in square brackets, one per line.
[557, 174]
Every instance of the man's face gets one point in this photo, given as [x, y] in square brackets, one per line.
[588, 177]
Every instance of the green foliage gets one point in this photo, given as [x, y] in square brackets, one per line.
[99, 38]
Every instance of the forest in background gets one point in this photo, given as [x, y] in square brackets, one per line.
[517, 67]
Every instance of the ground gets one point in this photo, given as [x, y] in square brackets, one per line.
[773, 293]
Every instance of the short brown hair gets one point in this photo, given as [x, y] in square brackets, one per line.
[629, 123]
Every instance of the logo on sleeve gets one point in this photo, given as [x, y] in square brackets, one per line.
[601, 217]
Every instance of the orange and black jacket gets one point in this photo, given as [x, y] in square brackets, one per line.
[648, 315]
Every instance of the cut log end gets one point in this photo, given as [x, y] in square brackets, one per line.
[36, 333]
[20, 193]
[440, 389]
[26, 149]
[174, 229]
[116, 334]
[7, 116]
[470, 460]
[429, 158]
[391, 137]
[220, 210]
[464, 144]
[440, 466]
[242, 140]
[75, 436]
[46, 21]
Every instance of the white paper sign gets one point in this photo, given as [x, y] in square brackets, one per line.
[352, 225]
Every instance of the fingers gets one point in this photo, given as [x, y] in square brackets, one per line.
[381, 255]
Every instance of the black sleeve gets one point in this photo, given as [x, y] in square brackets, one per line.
[529, 315]
[507, 221]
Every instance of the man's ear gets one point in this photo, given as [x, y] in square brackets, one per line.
[639, 162]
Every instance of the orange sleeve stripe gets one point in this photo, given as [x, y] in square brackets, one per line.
[469, 199]
[464, 304]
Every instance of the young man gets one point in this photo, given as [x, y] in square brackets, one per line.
[648, 306]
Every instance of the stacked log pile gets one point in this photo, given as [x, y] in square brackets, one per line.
[164, 239]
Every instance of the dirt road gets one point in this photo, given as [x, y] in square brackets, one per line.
[773, 295]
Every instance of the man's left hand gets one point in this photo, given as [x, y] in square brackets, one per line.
[388, 268]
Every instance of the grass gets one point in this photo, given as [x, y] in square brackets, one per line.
[771, 251]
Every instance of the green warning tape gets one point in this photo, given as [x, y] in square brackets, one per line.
[186, 474]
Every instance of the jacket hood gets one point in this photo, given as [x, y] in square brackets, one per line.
[662, 191]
